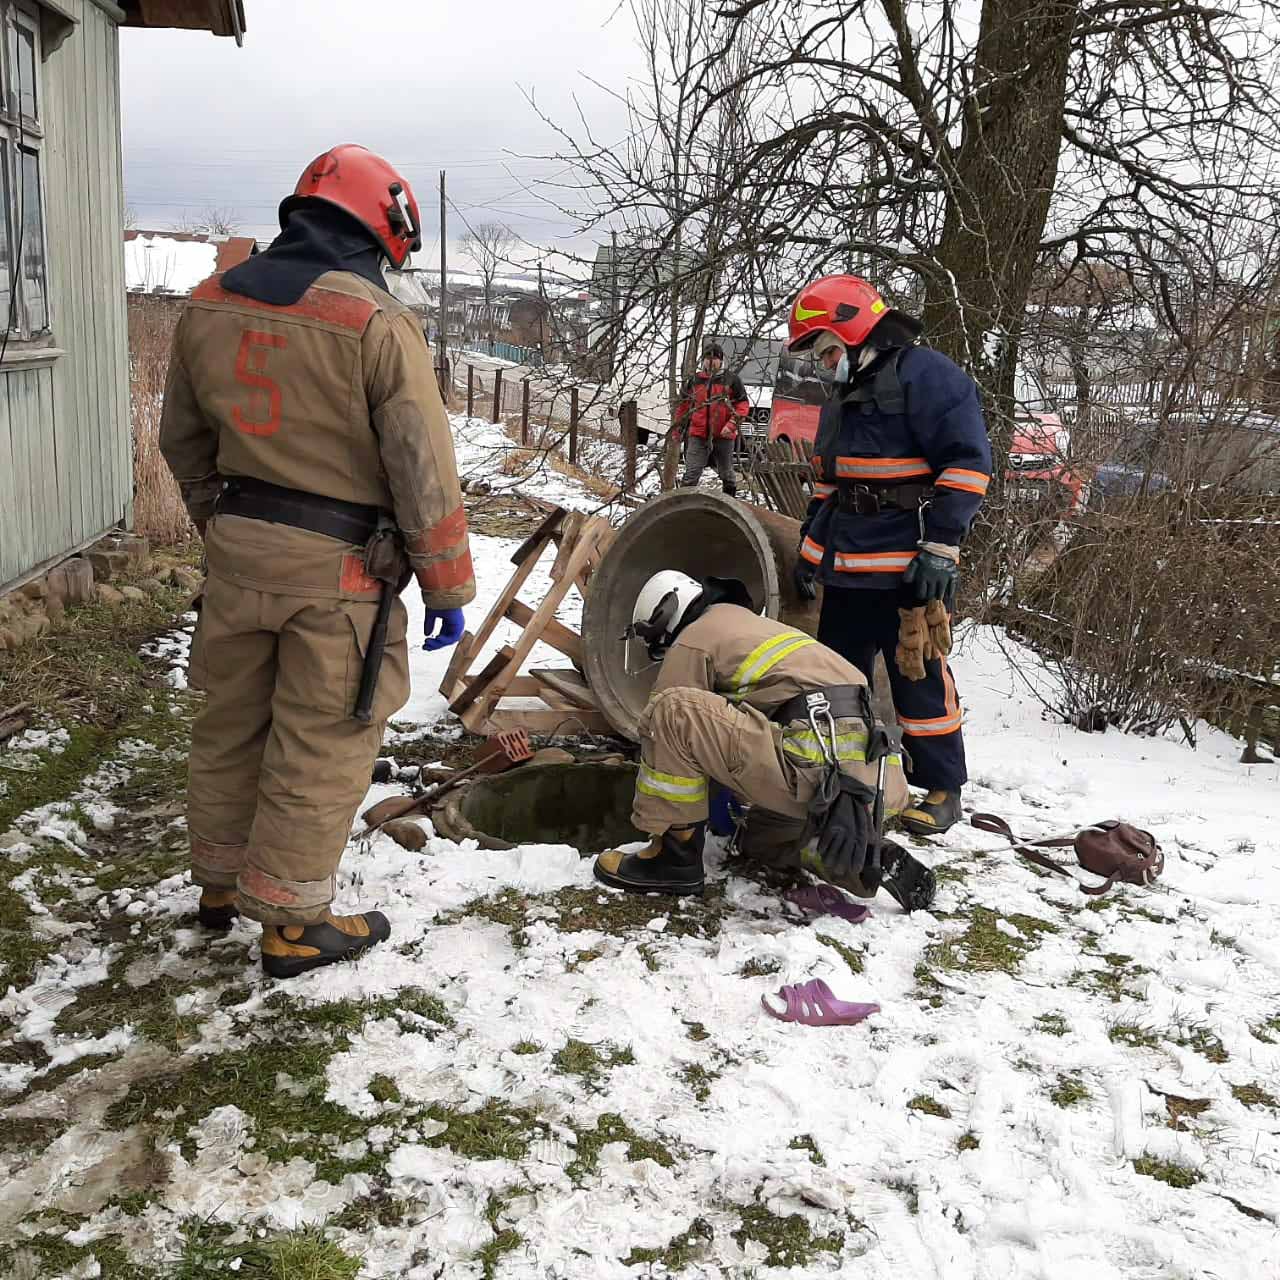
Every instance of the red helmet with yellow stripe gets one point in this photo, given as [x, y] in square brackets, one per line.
[846, 306]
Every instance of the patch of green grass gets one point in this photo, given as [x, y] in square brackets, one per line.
[47, 1254]
[757, 968]
[505, 1239]
[384, 1089]
[1176, 1175]
[526, 1047]
[967, 1142]
[789, 1241]
[494, 1131]
[929, 1105]
[1266, 1030]
[983, 947]
[1114, 980]
[589, 1062]
[297, 1255]
[60, 1075]
[378, 1209]
[1254, 1095]
[148, 1009]
[1133, 1035]
[1053, 1024]
[679, 1253]
[697, 1032]
[1200, 1039]
[343, 1018]
[699, 1079]
[1069, 1090]
[805, 1142]
[613, 1128]
[851, 957]
[574, 910]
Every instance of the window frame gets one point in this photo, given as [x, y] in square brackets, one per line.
[21, 133]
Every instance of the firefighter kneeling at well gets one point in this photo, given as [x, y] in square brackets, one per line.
[780, 720]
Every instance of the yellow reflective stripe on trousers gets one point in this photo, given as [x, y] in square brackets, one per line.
[671, 786]
[763, 658]
[804, 743]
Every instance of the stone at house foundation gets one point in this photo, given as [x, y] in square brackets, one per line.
[72, 581]
[34, 590]
[108, 595]
[106, 564]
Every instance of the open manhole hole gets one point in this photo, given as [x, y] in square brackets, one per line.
[586, 806]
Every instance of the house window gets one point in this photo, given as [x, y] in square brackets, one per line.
[24, 286]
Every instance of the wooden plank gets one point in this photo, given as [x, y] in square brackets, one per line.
[539, 537]
[551, 601]
[569, 684]
[555, 633]
[499, 610]
[481, 684]
[570, 535]
[457, 665]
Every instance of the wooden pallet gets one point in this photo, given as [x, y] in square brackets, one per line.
[781, 479]
[555, 701]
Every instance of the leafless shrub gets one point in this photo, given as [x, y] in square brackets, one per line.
[158, 511]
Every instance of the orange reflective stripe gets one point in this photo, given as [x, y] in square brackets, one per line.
[873, 561]
[446, 574]
[811, 551]
[449, 532]
[930, 728]
[823, 490]
[355, 580]
[962, 478]
[881, 468]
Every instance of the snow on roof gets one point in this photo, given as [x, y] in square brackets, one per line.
[160, 264]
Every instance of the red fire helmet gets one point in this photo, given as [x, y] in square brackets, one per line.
[846, 306]
[352, 178]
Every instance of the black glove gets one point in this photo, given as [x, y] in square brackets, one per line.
[804, 576]
[847, 834]
[934, 577]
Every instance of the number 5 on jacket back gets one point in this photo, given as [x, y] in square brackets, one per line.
[251, 362]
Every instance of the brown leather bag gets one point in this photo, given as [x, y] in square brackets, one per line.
[1112, 849]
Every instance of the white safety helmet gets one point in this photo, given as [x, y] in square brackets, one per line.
[660, 608]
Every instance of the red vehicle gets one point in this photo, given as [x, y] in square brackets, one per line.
[1038, 469]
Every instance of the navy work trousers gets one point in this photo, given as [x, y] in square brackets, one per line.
[859, 622]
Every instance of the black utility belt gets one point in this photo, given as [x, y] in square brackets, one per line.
[870, 500]
[257, 500]
[843, 702]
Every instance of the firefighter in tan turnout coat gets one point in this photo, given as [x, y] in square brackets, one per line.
[782, 722]
[303, 422]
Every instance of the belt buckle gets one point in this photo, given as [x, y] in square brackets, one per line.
[865, 502]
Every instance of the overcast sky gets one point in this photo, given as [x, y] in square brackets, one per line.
[430, 85]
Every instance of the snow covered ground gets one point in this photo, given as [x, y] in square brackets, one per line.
[538, 1078]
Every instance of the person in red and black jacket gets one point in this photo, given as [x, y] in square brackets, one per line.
[902, 464]
[712, 407]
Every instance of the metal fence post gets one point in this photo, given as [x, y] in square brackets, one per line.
[471, 390]
[573, 425]
[497, 395]
[524, 413]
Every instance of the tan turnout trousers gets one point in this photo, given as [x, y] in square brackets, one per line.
[708, 720]
[334, 396]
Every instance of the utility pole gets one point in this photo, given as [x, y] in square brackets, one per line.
[542, 315]
[615, 323]
[444, 285]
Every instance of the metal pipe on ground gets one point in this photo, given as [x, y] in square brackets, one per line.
[700, 533]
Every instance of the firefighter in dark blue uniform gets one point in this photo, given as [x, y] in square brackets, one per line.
[902, 464]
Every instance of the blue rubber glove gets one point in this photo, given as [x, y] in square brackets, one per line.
[452, 624]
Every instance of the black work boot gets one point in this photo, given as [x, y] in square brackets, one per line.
[671, 864]
[908, 881]
[291, 949]
[217, 909]
[939, 811]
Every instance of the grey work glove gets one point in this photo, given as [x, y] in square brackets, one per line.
[933, 577]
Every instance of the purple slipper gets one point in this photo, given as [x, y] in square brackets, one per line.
[825, 900]
[812, 1004]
